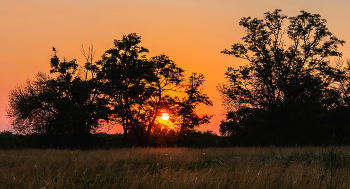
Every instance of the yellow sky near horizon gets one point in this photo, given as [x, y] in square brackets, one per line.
[190, 32]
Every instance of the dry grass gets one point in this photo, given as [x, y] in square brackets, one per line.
[176, 168]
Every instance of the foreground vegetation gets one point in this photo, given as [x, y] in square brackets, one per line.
[249, 167]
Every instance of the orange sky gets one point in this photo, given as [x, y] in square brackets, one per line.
[190, 32]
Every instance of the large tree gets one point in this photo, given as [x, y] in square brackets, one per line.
[287, 74]
[137, 86]
[140, 89]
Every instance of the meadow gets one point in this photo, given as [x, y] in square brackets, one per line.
[236, 167]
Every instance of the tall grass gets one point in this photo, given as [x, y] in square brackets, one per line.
[246, 167]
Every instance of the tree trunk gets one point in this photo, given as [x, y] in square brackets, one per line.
[125, 137]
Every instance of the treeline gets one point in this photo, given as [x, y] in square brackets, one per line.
[195, 139]
[294, 89]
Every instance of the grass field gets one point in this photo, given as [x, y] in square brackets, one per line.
[246, 167]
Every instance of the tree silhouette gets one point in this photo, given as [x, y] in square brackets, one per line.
[26, 112]
[63, 104]
[123, 87]
[186, 114]
[136, 85]
[287, 75]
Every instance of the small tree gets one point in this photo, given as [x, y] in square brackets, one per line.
[26, 112]
[186, 115]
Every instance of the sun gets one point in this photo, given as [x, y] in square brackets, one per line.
[165, 116]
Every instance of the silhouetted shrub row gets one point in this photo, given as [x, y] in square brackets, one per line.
[290, 127]
[9, 140]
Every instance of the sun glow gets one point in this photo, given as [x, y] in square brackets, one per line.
[164, 121]
[165, 117]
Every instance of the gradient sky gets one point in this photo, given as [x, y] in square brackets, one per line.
[190, 32]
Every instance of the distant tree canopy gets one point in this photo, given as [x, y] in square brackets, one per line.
[124, 87]
[288, 89]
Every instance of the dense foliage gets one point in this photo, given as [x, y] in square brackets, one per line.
[123, 88]
[288, 92]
